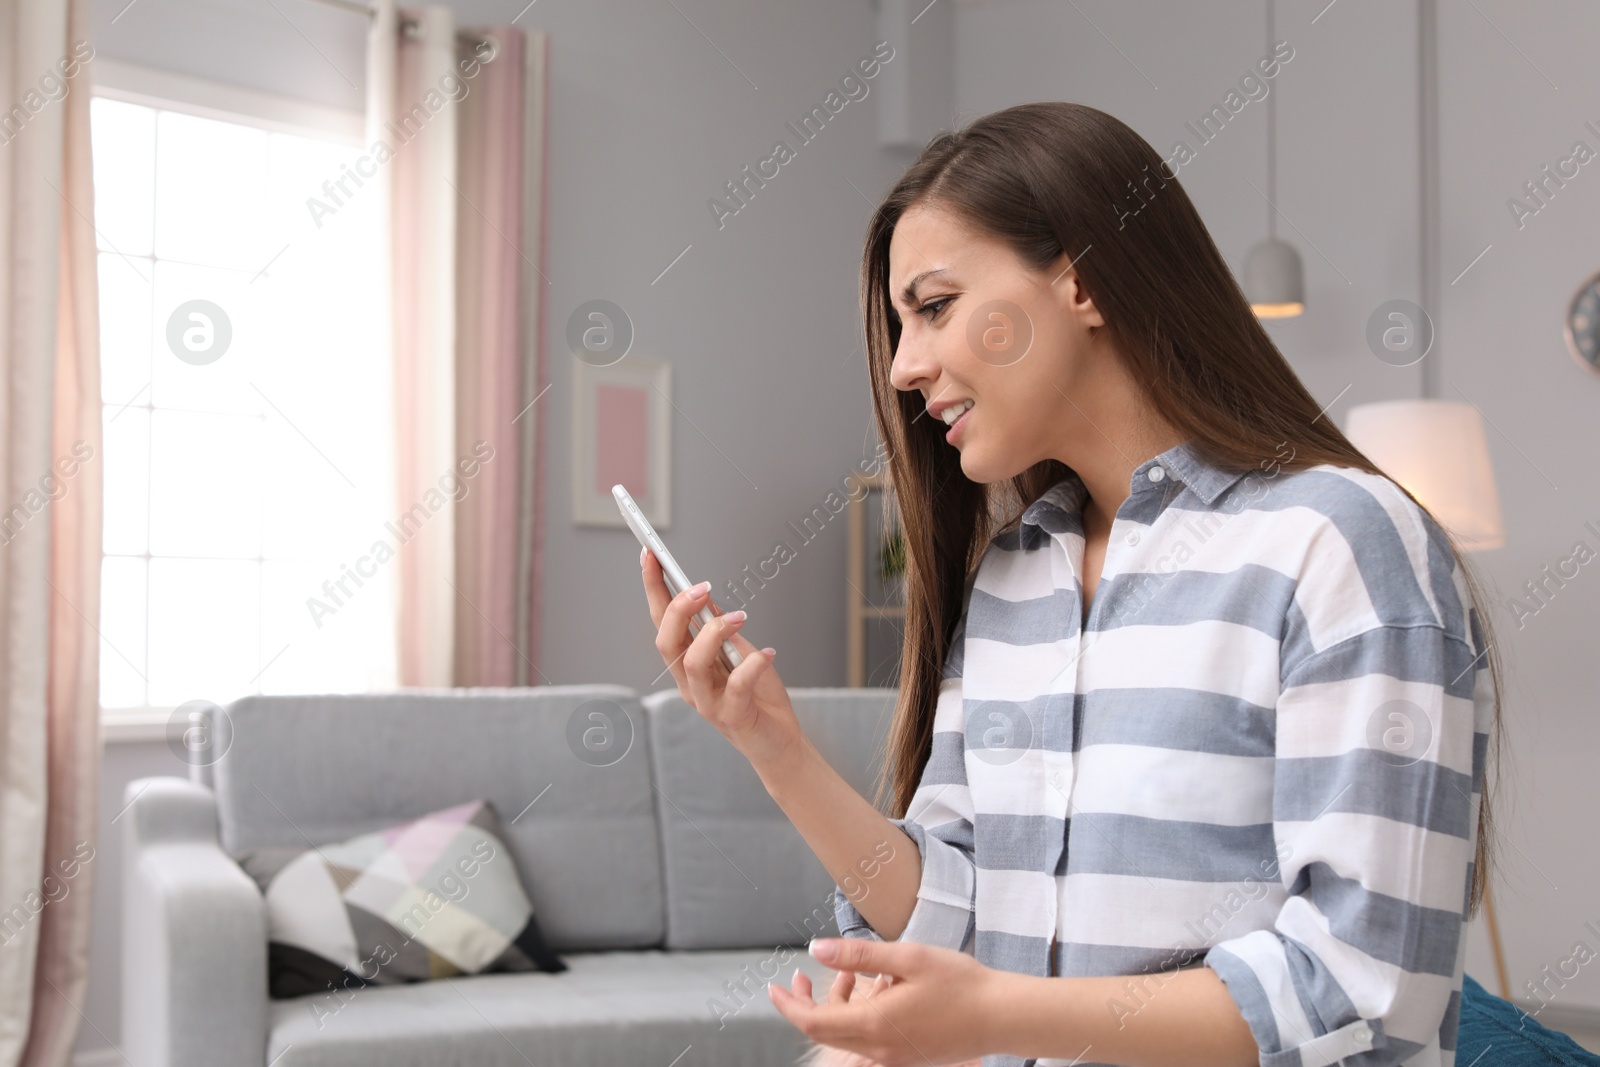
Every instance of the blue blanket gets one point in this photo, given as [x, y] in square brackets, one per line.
[1496, 1033]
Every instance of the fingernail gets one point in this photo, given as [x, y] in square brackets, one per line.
[700, 590]
[795, 977]
[734, 618]
[769, 652]
[642, 551]
[822, 949]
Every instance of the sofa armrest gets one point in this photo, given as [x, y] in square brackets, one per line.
[194, 936]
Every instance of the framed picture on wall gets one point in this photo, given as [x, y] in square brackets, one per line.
[622, 432]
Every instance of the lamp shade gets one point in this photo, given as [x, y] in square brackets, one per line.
[1436, 449]
[1274, 282]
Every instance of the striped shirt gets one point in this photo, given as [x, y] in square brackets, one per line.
[1262, 752]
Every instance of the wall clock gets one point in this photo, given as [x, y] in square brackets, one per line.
[1583, 324]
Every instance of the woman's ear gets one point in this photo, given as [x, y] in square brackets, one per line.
[1073, 298]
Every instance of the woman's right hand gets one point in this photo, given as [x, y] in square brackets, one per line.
[749, 706]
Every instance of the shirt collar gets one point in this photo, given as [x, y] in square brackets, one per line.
[1205, 479]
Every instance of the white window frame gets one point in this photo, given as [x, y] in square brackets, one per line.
[228, 103]
[202, 98]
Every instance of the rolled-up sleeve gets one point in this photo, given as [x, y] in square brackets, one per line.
[1376, 784]
[939, 821]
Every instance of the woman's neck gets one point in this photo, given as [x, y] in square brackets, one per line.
[1108, 456]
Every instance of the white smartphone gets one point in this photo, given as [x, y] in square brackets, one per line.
[677, 580]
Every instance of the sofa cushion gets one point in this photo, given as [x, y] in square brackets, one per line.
[430, 898]
[637, 1007]
[738, 874]
[309, 770]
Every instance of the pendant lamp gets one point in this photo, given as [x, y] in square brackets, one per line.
[1273, 282]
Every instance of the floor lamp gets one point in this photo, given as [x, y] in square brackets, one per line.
[1436, 448]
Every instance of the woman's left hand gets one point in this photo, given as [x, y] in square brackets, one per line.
[938, 1006]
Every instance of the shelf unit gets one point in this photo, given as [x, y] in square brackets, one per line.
[865, 532]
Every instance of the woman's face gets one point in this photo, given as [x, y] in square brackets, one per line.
[983, 327]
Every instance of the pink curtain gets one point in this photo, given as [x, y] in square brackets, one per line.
[409, 113]
[489, 363]
[465, 226]
[530, 524]
[50, 444]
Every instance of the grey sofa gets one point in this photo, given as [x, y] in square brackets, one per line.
[659, 868]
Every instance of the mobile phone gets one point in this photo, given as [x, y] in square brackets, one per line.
[676, 579]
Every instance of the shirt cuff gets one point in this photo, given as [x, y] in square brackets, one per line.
[943, 913]
[1257, 975]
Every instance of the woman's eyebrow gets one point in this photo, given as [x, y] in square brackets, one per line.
[909, 294]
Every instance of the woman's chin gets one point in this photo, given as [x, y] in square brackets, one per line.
[987, 469]
[977, 467]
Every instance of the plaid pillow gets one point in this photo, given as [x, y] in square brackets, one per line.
[431, 898]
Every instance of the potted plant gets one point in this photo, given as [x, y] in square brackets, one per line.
[892, 562]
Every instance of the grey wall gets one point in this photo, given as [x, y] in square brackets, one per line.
[1517, 84]
[1501, 122]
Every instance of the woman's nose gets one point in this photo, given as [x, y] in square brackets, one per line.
[910, 365]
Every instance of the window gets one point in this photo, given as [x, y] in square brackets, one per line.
[246, 417]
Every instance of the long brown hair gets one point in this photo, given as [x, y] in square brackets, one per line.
[1054, 178]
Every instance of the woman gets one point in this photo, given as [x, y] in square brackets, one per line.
[1195, 704]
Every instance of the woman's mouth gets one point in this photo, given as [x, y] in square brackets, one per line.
[959, 422]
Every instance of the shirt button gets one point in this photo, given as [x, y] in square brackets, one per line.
[1157, 473]
[1362, 1035]
[1133, 537]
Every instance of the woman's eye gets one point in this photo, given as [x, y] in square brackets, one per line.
[936, 306]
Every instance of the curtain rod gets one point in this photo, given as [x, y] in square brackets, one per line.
[356, 7]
